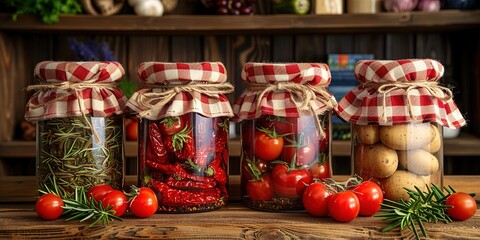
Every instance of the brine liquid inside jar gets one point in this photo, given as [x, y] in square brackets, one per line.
[184, 160]
[70, 155]
[280, 156]
[399, 156]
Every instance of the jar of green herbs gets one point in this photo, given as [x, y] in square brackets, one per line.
[79, 114]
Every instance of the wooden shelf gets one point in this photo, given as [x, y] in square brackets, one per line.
[464, 145]
[259, 24]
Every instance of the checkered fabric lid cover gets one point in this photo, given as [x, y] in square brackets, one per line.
[180, 74]
[279, 102]
[75, 87]
[365, 105]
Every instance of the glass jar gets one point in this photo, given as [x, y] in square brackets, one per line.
[70, 154]
[79, 115]
[397, 114]
[185, 160]
[399, 156]
[280, 157]
[183, 134]
[285, 132]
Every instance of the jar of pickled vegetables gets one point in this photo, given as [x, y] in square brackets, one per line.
[79, 115]
[397, 114]
[285, 115]
[183, 134]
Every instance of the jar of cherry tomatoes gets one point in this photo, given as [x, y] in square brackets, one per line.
[285, 115]
[397, 115]
[79, 114]
[183, 134]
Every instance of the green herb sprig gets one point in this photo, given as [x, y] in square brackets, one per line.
[49, 10]
[422, 207]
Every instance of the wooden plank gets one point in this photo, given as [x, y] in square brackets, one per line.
[370, 44]
[399, 46]
[204, 24]
[339, 43]
[186, 49]
[283, 48]
[310, 48]
[144, 49]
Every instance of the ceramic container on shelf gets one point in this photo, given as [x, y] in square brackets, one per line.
[397, 113]
[284, 115]
[79, 114]
[183, 134]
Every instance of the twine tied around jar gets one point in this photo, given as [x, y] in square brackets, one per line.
[307, 93]
[76, 88]
[432, 88]
[157, 100]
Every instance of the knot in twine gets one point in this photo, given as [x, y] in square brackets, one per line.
[157, 100]
[432, 88]
[76, 88]
[307, 94]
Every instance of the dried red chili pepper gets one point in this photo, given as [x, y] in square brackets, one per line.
[220, 134]
[174, 197]
[189, 184]
[170, 169]
[219, 173]
[181, 144]
[156, 150]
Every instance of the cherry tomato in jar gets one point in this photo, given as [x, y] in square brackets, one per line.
[320, 170]
[171, 125]
[49, 206]
[370, 196]
[344, 206]
[463, 206]
[288, 182]
[316, 198]
[117, 200]
[286, 125]
[262, 189]
[303, 155]
[144, 204]
[267, 145]
[99, 191]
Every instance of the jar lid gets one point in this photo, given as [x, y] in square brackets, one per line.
[400, 92]
[174, 89]
[284, 89]
[70, 89]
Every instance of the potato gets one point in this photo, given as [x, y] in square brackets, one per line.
[380, 160]
[367, 134]
[435, 145]
[394, 185]
[358, 157]
[418, 161]
[407, 136]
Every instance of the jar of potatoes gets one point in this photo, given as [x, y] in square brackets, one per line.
[399, 156]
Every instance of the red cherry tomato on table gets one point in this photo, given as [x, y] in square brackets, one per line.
[288, 182]
[49, 206]
[316, 198]
[262, 189]
[344, 206]
[99, 191]
[117, 200]
[370, 196]
[463, 206]
[145, 204]
[171, 125]
[267, 147]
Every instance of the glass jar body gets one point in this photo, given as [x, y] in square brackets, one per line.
[279, 156]
[399, 156]
[70, 154]
[185, 161]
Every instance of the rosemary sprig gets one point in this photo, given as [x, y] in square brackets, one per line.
[422, 207]
[80, 207]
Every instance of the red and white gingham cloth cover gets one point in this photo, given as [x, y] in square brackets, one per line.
[96, 101]
[279, 103]
[363, 106]
[167, 73]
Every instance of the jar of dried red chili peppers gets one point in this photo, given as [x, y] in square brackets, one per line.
[285, 117]
[183, 134]
[79, 115]
[397, 113]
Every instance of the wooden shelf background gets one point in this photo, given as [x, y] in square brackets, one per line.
[257, 24]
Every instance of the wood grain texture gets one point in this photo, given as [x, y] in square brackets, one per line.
[145, 49]
[231, 222]
[258, 24]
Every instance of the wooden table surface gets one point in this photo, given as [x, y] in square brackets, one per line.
[231, 222]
